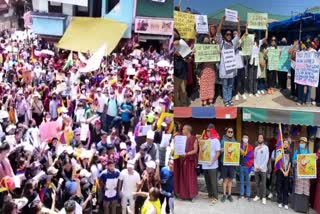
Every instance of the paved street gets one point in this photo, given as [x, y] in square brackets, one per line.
[274, 101]
[199, 206]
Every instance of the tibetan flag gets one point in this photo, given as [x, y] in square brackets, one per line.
[69, 61]
[279, 151]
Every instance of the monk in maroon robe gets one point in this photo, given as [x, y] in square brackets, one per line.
[188, 184]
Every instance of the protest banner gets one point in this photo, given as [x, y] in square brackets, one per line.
[184, 23]
[94, 61]
[207, 53]
[204, 152]
[153, 26]
[229, 59]
[143, 130]
[231, 15]
[273, 59]
[247, 45]
[183, 48]
[307, 166]
[180, 142]
[231, 154]
[257, 21]
[285, 60]
[202, 24]
[307, 68]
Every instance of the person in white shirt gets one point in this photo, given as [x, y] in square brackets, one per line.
[261, 158]
[101, 99]
[211, 169]
[129, 179]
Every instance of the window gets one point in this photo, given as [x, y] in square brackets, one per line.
[111, 4]
[82, 11]
[54, 7]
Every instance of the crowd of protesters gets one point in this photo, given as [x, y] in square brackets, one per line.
[257, 159]
[74, 142]
[252, 77]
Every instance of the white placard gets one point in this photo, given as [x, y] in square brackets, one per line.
[229, 59]
[151, 63]
[143, 130]
[183, 48]
[231, 15]
[84, 131]
[202, 23]
[165, 141]
[180, 142]
[131, 71]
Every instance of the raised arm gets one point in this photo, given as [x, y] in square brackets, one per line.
[220, 24]
[239, 30]
[267, 34]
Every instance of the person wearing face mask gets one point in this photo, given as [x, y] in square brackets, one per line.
[272, 74]
[302, 96]
[283, 177]
[207, 79]
[292, 51]
[261, 158]
[246, 162]
[227, 74]
[301, 190]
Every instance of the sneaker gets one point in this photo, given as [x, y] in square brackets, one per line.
[270, 195]
[250, 95]
[314, 103]
[258, 92]
[244, 97]
[264, 201]
[223, 199]
[231, 103]
[230, 198]
[299, 104]
[280, 205]
[257, 95]
[262, 91]
[256, 198]
[227, 104]
[237, 97]
[286, 207]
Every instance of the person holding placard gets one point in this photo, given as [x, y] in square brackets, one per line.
[228, 66]
[180, 75]
[302, 96]
[240, 78]
[295, 47]
[188, 184]
[301, 190]
[207, 79]
[261, 158]
[272, 74]
[227, 172]
[210, 170]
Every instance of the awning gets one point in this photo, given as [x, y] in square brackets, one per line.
[86, 33]
[281, 116]
[206, 112]
[149, 8]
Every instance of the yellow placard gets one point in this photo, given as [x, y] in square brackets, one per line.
[185, 24]
[307, 166]
[231, 154]
[168, 119]
[204, 152]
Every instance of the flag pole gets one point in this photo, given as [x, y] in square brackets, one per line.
[280, 129]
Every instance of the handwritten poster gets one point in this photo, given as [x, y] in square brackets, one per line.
[307, 68]
[285, 60]
[143, 130]
[204, 152]
[231, 15]
[183, 48]
[202, 24]
[165, 140]
[207, 53]
[229, 59]
[307, 166]
[180, 142]
[273, 59]
[257, 21]
[184, 23]
[247, 45]
[231, 154]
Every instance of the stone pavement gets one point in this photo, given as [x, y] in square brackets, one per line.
[203, 206]
[274, 101]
